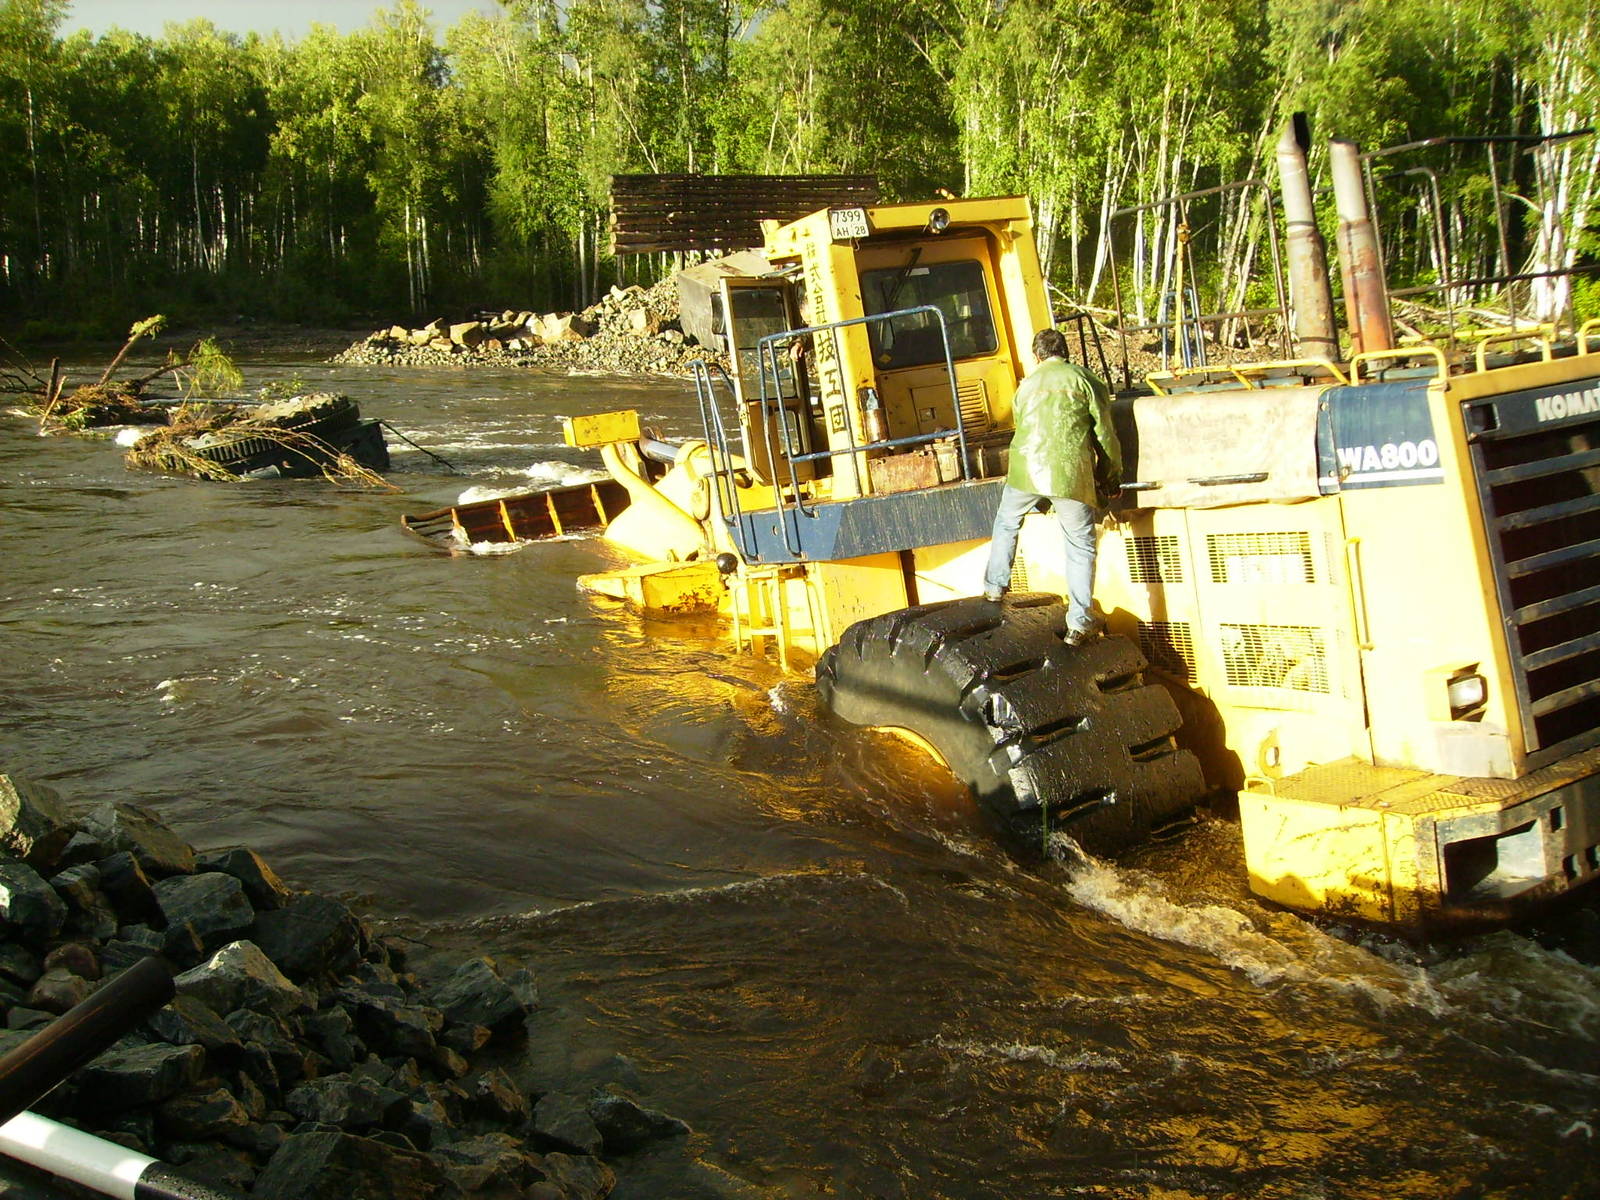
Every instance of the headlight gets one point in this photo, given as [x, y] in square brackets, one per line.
[1468, 692]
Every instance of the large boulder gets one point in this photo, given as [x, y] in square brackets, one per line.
[186, 1021]
[214, 905]
[328, 1165]
[129, 888]
[494, 1163]
[137, 830]
[562, 1123]
[564, 327]
[310, 935]
[261, 882]
[351, 1104]
[240, 976]
[28, 903]
[627, 1126]
[475, 993]
[91, 911]
[131, 1076]
[467, 333]
[216, 1113]
[579, 1177]
[34, 824]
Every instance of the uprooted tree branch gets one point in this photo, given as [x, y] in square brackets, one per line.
[109, 400]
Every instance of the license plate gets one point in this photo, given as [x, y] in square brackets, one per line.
[847, 224]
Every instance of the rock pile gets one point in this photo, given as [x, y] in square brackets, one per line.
[631, 331]
[301, 1057]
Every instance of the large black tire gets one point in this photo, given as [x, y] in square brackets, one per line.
[320, 414]
[1049, 736]
[293, 437]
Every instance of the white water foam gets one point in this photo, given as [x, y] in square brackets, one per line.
[1291, 953]
[739, 888]
[1519, 982]
[562, 474]
[475, 495]
[1025, 1052]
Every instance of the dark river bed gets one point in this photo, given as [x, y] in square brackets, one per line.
[777, 928]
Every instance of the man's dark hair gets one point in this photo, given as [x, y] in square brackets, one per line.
[1048, 343]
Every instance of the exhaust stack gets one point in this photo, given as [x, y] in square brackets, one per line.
[1366, 295]
[1309, 291]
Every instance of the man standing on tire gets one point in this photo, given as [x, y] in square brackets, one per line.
[1064, 451]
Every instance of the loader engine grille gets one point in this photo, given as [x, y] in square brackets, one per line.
[1536, 463]
[1260, 557]
[1275, 656]
[1168, 645]
[1155, 559]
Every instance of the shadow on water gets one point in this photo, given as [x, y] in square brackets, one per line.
[790, 933]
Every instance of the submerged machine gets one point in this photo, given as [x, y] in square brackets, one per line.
[1360, 591]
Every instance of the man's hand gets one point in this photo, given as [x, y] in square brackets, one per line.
[1107, 483]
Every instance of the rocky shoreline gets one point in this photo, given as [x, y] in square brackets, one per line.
[304, 1056]
[631, 331]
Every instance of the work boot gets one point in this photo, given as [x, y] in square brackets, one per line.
[1077, 637]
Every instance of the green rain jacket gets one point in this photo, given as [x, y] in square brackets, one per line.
[1062, 414]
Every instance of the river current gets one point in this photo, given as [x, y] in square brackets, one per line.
[780, 929]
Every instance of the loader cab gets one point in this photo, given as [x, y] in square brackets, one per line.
[882, 352]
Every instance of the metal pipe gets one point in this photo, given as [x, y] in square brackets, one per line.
[659, 451]
[1366, 296]
[95, 1163]
[31, 1069]
[1310, 293]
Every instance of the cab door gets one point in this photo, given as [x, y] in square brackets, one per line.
[771, 387]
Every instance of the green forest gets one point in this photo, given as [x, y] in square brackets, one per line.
[405, 169]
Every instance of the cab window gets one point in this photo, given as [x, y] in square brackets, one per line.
[956, 289]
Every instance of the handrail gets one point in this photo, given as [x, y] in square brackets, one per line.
[1245, 373]
[1173, 376]
[1542, 335]
[1280, 290]
[767, 355]
[1404, 352]
[724, 491]
[1591, 325]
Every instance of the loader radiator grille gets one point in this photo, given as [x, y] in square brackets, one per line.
[973, 397]
[1536, 464]
[1260, 557]
[1154, 559]
[1277, 656]
[1168, 645]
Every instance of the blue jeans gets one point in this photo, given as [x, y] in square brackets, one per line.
[1077, 521]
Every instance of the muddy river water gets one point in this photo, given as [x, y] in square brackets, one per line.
[777, 928]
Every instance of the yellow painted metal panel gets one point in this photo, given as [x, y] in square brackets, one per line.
[1424, 586]
[600, 429]
[855, 589]
[1315, 856]
[661, 587]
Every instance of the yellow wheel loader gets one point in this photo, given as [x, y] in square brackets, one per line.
[1370, 584]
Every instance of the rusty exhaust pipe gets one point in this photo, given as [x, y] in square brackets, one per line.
[1366, 295]
[1310, 295]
